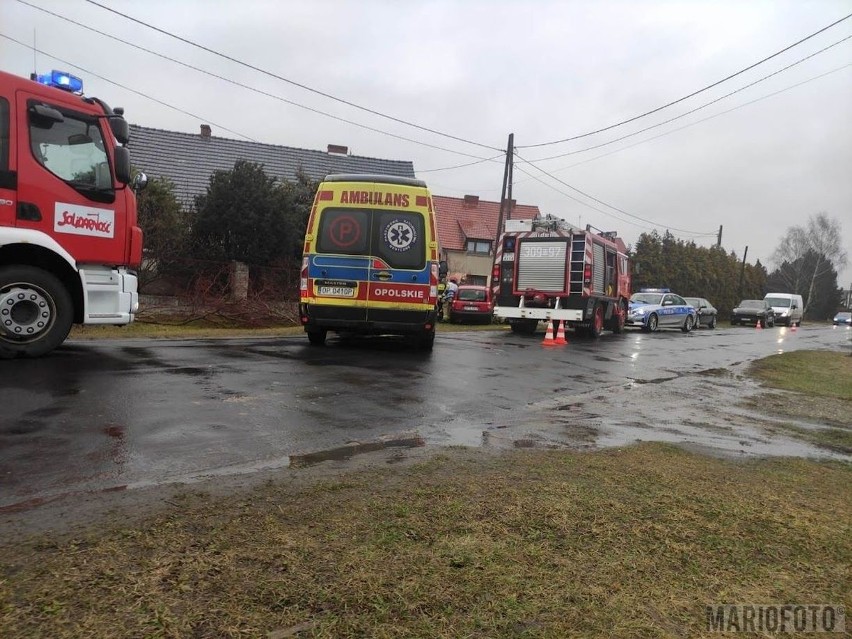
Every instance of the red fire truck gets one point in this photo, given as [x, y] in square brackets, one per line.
[69, 236]
[545, 269]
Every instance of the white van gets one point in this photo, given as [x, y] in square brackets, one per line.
[787, 307]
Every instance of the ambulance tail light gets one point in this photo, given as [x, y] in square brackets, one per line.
[303, 276]
[433, 283]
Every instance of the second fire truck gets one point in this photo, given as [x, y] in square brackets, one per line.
[547, 270]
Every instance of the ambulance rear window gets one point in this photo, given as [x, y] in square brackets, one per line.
[397, 237]
[344, 231]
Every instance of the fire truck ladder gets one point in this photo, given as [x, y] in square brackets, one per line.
[578, 261]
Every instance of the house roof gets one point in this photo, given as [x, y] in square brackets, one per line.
[469, 217]
[189, 159]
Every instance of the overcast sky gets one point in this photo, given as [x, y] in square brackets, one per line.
[757, 162]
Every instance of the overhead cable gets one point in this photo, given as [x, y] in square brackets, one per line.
[283, 79]
[253, 89]
[460, 166]
[593, 198]
[127, 88]
[690, 112]
[686, 97]
[697, 122]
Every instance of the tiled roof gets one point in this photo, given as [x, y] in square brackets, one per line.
[475, 230]
[189, 159]
[469, 217]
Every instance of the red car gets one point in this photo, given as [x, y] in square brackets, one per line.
[472, 303]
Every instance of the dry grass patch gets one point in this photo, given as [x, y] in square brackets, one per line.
[628, 543]
[821, 382]
[816, 373]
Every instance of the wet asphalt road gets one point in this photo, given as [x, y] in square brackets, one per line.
[121, 414]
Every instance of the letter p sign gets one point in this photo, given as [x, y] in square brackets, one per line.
[344, 231]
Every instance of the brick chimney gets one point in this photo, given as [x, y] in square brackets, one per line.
[206, 131]
[337, 149]
[471, 200]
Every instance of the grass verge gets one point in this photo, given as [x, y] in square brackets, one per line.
[821, 382]
[820, 373]
[627, 543]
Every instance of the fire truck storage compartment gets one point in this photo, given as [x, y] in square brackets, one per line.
[542, 264]
[598, 268]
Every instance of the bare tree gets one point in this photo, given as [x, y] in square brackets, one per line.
[820, 237]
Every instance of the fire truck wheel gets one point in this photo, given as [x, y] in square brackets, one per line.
[618, 322]
[36, 312]
[596, 325]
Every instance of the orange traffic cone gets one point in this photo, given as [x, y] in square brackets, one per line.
[548, 337]
[560, 335]
[757, 325]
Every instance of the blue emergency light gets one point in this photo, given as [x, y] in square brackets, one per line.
[61, 80]
[655, 290]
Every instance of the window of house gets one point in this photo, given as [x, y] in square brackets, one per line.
[478, 246]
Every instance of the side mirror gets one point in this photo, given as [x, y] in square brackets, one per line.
[120, 129]
[139, 182]
[122, 164]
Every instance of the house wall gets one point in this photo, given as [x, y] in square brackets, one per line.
[470, 263]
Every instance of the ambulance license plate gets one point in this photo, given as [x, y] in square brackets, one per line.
[336, 291]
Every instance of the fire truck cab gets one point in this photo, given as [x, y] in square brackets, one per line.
[69, 236]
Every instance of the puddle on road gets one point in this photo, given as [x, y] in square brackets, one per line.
[702, 410]
[348, 451]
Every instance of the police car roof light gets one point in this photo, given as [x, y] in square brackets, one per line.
[61, 80]
[655, 290]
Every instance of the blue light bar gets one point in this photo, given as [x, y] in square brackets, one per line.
[61, 80]
[655, 290]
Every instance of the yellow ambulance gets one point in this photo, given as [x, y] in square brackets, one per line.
[370, 264]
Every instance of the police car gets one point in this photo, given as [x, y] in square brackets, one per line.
[653, 308]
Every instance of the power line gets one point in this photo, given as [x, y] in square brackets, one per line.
[699, 108]
[127, 88]
[697, 122]
[459, 166]
[287, 80]
[686, 97]
[615, 208]
[250, 88]
[578, 201]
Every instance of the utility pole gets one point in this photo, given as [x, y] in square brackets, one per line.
[719, 240]
[742, 272]
[506, 200]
